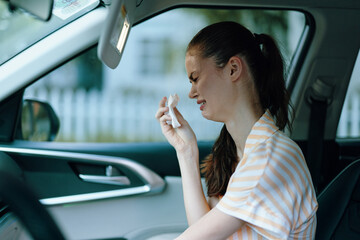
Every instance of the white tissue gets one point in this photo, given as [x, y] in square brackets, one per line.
[172, 102]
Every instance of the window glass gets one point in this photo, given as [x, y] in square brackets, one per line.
[349, 124]
[97, 104]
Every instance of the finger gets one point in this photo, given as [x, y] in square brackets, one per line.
[161, 111]
[162, 102]
[178, 114]
[164, 119]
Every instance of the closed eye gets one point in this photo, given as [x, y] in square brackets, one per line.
[192, 79]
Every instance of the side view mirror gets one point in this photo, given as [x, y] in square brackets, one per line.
[39, 121]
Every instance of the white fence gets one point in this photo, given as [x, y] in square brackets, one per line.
[125, 116]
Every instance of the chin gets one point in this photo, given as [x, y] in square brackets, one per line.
[210, 117]
[205, 115]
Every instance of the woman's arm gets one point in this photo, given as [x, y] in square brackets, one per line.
[184, 141]
[195, 202]
[215, 225]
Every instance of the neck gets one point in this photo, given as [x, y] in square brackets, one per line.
[240, 125]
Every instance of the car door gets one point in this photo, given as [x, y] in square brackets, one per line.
[110, 173]
[92, 190]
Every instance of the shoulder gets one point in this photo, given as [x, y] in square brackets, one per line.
[285, 161]
[275, 149]
[280, 147]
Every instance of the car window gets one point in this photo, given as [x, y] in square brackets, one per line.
[350, 118]
[97, 104]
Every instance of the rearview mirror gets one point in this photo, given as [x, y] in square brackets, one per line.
[39, 122]
[39, 8]
[116, 31]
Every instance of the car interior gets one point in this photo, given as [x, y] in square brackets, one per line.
[55, 184]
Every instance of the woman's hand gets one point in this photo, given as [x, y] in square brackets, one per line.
[181, 138]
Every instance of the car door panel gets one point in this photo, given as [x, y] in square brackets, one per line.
[137, 215]
[46, 170]
[140, 208]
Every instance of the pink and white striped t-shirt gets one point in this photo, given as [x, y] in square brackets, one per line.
[271, 189]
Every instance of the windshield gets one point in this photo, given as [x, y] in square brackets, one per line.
[19, 30]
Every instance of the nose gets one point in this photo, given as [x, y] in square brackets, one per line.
[193, 92]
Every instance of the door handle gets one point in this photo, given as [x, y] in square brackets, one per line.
[112, 177]
[112, 180]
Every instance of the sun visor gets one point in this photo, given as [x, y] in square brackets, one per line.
[116, 31]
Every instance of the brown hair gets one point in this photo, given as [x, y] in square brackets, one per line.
[221, 41]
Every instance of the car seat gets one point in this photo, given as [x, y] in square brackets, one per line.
[338, 215]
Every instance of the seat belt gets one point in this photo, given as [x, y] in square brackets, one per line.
[320, 98]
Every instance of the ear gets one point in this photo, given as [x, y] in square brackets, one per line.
[236, 66]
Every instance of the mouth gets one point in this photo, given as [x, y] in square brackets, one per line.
[202, 104]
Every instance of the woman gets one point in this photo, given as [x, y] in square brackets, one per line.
[258, 183]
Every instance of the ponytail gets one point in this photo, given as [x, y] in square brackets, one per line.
[222, 41]
[218, 167]
[271, 85]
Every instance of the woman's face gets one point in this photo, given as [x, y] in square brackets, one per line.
[210, 86]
